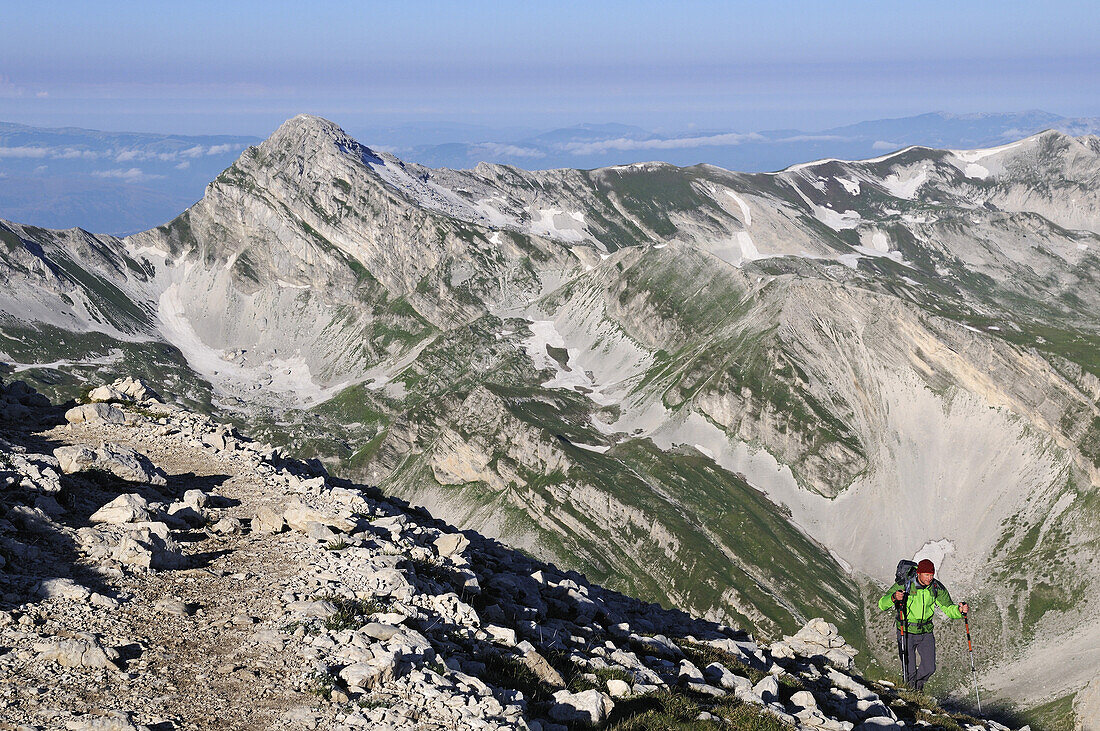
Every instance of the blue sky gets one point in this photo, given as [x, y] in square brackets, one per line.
[242, 67]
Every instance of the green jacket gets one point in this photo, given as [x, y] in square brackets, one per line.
[922, 603]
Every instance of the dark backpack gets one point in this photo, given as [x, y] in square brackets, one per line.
[905, 574]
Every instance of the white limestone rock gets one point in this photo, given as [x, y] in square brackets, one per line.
[590, 706]
[76, 458]
[129, 464]
[129, 508]
[267, 520]
[150, 546]
[106, 394]
[95, 413]
[81, 651]
[451, 544]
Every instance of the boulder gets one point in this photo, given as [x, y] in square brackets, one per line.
[228, 526]
[590, 707]
[197, 499]
[372, 673]
[719, 675]
[110, 721]
[82, 651]
[453, 610]
[380, 631]
[135, 389]
[122, 462]
[75, 459]
[107, 394]
[804, 699]
[767, 689]
[450, 544]
[618, 688]
[131, 508]
[150, 546]
[186, 514]
[545, 672]
[267, 520]
[173, 606]
[95, 414]
[817, 638]
[688, 673]
[63, 589]
[298, 516]
[129, 464]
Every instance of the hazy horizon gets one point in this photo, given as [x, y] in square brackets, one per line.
[242, 68]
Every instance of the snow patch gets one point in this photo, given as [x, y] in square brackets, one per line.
[543, 334]
[745, 212]
[837, 221]
[749, 252]
[288, 377]
[879, 242]
[814, 163]
[555, 223]
[850, 184]
[974, 170]
[905, 187]
[936, 552]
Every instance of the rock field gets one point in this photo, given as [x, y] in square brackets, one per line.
[161, 571]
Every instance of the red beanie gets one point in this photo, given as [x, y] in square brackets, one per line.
[926, 567]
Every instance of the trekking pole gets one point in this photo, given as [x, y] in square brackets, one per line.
[970, 649]
[903, 646]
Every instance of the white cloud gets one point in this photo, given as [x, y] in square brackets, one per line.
[24, 151]
[119, 154]
[42, 94]
[73, 153]
[884, 145]
[183, 165]
[623, 143]
[494, 149]
[131, 175]
[813, 138]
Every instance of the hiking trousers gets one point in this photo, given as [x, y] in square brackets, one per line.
[922, 658]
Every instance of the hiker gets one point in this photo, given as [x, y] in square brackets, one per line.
[917, 644]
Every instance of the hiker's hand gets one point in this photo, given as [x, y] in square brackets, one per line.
[898, 596]
[964, 607]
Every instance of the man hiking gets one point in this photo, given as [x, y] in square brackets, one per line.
[925, 594]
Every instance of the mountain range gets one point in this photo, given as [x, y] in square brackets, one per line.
[743, 394]
[123, 182]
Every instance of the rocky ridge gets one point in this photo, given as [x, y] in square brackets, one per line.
[161, 571]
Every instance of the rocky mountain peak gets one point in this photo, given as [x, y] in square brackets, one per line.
[305, 136]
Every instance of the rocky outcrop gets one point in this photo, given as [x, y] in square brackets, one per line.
[388, 617]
